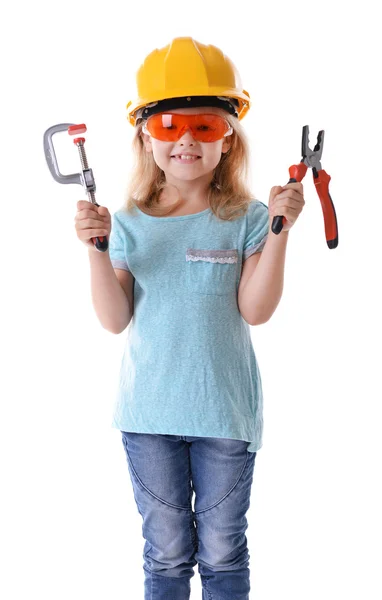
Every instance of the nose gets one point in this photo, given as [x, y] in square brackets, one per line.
[186, 136]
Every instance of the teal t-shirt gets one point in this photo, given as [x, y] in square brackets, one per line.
[189, 367]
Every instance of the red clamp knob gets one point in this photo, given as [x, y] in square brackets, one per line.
[75, 129]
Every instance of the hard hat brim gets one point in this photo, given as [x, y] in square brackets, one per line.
[242, 98]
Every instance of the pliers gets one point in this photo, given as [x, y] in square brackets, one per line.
[311, 159]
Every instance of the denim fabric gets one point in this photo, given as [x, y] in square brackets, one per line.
[166, 471]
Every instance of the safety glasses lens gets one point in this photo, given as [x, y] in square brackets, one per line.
[171, 127]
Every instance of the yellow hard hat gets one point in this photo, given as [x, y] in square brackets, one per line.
[191, 73]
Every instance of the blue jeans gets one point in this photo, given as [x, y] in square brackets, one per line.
[165, 470]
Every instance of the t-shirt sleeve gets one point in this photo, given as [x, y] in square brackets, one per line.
[257, 228]
[117, 246]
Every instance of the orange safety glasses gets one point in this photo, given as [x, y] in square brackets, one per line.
[170, 127]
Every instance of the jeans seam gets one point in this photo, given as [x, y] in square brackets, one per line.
[187, 508]
[198, 512]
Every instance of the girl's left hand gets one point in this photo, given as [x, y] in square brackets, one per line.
[286, 201]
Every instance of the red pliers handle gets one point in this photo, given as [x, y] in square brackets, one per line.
[311, 159]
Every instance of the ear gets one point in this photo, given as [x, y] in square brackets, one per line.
[226, 144]
[146, 139]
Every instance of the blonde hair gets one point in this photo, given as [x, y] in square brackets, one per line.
[228, 194]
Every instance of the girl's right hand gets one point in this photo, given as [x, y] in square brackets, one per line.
[91, 222]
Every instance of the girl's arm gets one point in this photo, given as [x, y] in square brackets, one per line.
[259, 296]
[110, 301]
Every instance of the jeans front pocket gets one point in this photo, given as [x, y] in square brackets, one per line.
[212, 271]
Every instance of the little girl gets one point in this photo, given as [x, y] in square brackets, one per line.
[192, 263]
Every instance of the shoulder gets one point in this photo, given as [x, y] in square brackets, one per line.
[256, 211]
[256, 206]
[122, 218]
[123, 214]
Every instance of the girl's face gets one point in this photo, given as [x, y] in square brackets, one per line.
[209, 154]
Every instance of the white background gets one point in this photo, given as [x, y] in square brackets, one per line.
[69, 523]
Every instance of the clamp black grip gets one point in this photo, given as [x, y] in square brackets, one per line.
[101, 243]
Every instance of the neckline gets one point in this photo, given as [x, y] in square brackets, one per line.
[178, 217]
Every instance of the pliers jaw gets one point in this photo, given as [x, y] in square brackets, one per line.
[312, 157]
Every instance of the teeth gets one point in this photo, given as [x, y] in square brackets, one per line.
[186, 157]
